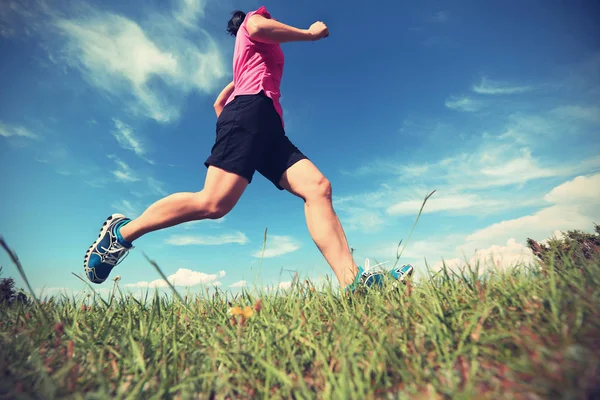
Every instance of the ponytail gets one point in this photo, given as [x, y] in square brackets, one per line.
[235, 22]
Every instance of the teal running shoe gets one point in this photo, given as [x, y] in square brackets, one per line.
[366, 277]
[369, 276]
[401, 273]
[107, 251]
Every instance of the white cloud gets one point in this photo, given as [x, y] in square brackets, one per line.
[573, 205]
[239, 284]
[188, 12]
[487, 86]
[437, 204]
[583, 190]
[284, 285]
[126, 138]
[183, 277]
[188, 240]
[361, 219]
[278, 246]
[463, 104]
[154, 71]
[16, 131]
[495, 164]
[467, 183]
[519, 169]
[124, 173]
[495, 257]
[193, 224]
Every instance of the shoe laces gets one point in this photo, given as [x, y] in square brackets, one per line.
[113, 254]
[368, 268]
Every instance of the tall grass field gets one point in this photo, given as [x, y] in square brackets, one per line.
[528, 332]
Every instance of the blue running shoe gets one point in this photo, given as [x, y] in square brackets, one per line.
[107, 251]
[401, 273]
[366, 277]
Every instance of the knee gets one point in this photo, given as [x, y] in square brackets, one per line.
[217, 210]
[320, 189]
[211, 209]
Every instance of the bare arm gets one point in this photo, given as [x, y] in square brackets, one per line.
[222, 98]
[270, 31]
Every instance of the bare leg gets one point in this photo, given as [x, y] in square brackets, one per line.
[304, 180]
[221, 192]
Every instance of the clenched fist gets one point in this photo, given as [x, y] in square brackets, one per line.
[318, 30]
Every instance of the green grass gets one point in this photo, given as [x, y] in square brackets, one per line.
[526, 333]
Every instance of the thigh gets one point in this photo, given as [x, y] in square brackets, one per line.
[302, 178]
[280, 156]
[223, 187]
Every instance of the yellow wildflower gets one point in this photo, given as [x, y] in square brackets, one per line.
[235, 311]
[248, 312]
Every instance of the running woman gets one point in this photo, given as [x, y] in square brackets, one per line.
[250, 137]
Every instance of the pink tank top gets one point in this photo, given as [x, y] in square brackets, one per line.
[256, 65]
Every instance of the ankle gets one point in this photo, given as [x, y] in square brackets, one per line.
[122, 235]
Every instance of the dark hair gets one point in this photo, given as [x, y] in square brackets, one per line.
[237, 17]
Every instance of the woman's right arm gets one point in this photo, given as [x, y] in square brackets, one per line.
[270, 31]
[222, 98]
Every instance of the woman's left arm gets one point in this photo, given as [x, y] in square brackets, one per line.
[222, 98]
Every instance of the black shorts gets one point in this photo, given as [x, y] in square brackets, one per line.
[250, 137]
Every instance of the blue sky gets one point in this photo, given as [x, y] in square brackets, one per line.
[106, 107]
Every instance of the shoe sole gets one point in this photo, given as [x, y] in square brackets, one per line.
[103, 231]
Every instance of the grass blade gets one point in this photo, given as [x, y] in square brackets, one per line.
[398, 255]
[155, 265]
[15, 259]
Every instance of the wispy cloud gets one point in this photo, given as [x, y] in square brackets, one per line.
[124, 173]
[195, 240]
[489, 87]
[239, 284]
[463, 103]
[467, 183]
[117, 55]
[278, 246]
[445, 202]
[187, 12]
[16, 131]
[126, 138]
[125, 207]
[156, 186]
[183, 277]
[361, 219]
[495, 165]
[194, 224]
